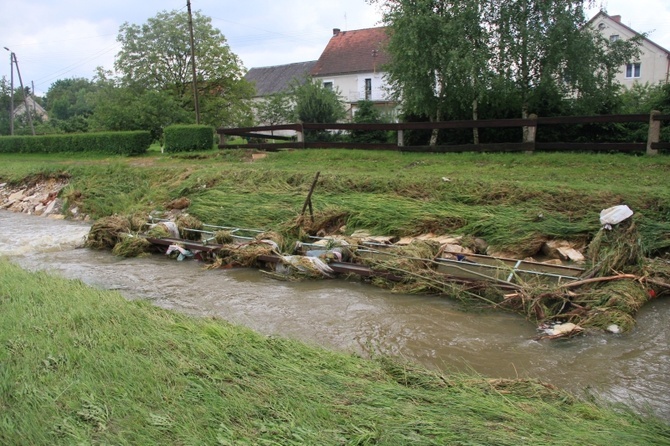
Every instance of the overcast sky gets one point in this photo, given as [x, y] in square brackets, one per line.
[70, 38]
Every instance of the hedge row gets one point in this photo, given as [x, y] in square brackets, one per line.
[113, 143]
[185, 138]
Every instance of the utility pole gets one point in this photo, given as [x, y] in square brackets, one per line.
[11, 93]
[195, 85]
[23, 91]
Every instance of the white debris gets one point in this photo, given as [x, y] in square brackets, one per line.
[614, 215]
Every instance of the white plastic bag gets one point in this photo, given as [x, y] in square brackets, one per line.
[614, 215]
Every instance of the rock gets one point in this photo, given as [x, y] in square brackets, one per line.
[381, 239]
[614, 328]
[8, 204]
[452, 249]
[179, 203]
[39, 209]
[404, 241]
[480, 246]
[572, 255]
[561, 249]
[17, 196]
[361, 234]
[565, 328]
[50, 208]
[448, 240]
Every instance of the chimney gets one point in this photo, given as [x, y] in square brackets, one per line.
[616, 18]
[336, 31]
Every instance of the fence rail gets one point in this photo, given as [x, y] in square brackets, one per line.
[652, 146]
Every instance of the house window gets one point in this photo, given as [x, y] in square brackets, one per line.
[614, 37]
[328, 85]
[368, 89]
[632, 70]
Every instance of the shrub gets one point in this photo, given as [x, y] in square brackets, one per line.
[185, 138]
[113, 143]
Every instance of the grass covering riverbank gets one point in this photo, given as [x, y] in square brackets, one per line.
[513, 201]
[79, 365]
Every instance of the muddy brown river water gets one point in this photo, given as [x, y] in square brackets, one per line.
[633, 369]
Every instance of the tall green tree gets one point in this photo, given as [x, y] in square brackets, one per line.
[120, 108]
[446, 54]
[157, 56]
[440, 55]
[69, 104]
[317, 104]
[275, 109]
[5, 100]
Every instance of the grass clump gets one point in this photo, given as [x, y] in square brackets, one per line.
[83, 366]
[132, 246]
[187, 222]
[106, 232]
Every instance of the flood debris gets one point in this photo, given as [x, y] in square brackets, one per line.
[106, 232]
[132, 246]
[566, 296]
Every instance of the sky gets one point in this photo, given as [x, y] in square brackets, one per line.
[69, 38]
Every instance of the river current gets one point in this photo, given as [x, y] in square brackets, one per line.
[356, 317]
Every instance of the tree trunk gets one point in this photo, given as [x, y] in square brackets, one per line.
[524, 115]
[435, 132]
[475, 116]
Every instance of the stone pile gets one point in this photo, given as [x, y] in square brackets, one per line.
[38, 199]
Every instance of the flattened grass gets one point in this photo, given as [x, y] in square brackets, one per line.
[80, 365]
[513, 201]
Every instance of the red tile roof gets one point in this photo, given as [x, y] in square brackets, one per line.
[362, 50]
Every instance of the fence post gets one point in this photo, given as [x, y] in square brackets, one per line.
[654, 132]
[300, 135]
[401, 138]
[530, 132]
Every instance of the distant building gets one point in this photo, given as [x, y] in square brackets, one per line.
[353, 63]
[653, 63]
[36, 109]
[278, 78]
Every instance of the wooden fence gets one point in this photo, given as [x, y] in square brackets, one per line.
[532, 125]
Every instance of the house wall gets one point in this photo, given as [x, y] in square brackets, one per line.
[654, 62]
[352, 89]
[352, 86]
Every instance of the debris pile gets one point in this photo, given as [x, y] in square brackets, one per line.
[565, 300]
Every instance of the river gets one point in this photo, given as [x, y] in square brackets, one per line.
[356, 317]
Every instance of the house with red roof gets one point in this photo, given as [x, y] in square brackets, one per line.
[651, 66]
[353, 64]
